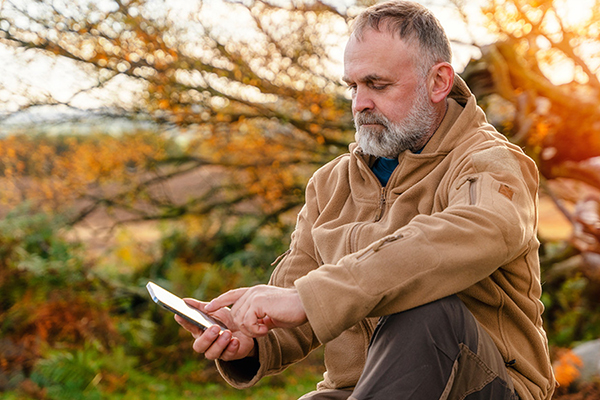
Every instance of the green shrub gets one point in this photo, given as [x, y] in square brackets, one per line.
[83, 373]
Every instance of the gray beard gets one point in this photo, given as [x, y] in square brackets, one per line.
[394, 138]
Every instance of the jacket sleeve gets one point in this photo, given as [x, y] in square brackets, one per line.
[489, 219]
[282, 347]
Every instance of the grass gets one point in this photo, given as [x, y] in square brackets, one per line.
[291, 384]
[194, 380]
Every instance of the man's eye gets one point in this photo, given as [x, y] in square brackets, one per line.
[378, 87]
[351, 88]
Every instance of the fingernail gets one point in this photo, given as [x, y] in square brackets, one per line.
[209, 307]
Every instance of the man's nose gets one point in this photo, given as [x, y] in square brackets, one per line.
[362, 101]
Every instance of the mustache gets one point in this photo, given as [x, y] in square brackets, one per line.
[368, 118]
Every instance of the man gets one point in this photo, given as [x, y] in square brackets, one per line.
[418, 246]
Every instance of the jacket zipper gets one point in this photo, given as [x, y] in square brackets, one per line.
[382, 193]
[380, 211]
[382, 201]
[472, 191]
[381, 204]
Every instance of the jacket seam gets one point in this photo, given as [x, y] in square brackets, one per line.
[501, 323]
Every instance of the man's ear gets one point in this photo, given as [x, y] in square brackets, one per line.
[441, 81]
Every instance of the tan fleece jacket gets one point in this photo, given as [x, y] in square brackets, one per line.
[460, 217]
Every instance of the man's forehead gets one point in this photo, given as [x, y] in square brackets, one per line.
[376, 41]
[378, 56]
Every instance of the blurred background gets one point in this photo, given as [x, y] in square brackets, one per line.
[171, 141]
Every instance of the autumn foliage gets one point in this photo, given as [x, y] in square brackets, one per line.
[57, 171]
[545, 66]
[567, 367]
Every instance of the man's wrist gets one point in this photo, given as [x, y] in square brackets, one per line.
[254, 351]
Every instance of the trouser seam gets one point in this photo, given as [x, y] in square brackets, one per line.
[451, 379]
[491, 375]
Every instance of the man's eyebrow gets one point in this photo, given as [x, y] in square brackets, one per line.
[372, 78]
[366, 78]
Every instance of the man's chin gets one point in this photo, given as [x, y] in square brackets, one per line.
[373, 143]
[372, 130]
[375, 151]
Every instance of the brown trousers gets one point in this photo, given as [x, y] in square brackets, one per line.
[436, 351]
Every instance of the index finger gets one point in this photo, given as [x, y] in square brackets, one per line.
[200, 305]
[225, 299]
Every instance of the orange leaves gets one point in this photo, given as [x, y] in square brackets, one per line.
[164, 104]
[270, 182]
[70, 321]
[266, 164]
[543, 67]
[57, 171]
[567, 367]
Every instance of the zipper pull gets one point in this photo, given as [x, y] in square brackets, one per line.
[386, 240]
[281, 256]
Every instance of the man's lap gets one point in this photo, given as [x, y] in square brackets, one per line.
[436, 351]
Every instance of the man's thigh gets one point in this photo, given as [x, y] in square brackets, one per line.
[436, 351]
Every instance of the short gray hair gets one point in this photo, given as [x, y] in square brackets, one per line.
[412, 22]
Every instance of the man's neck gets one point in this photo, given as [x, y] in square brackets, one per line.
[441, 115]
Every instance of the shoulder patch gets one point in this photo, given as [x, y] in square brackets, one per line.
[496, 159]
[506, 191]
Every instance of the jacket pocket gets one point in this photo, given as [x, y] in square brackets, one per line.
[472, 186]
[378, 245]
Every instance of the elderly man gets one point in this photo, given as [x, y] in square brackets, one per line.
[414, 260]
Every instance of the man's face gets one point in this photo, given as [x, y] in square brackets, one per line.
[390, 100]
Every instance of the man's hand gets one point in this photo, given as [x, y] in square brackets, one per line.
[259, 308]
[230, 345]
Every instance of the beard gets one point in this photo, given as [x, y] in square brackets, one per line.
[394, 138]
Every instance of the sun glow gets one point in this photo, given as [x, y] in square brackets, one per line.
[574, 15]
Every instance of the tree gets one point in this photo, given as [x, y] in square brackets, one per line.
[264, 111]
[545, 65]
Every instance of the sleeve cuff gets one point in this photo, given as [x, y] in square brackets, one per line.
[245, 373]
